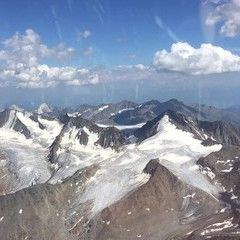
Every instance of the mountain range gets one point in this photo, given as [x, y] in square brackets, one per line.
[122, 171]
[131, 113]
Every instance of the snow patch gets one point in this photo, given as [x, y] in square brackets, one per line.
[123, 127]
[44, 136]
[124, 110]
[102, 108]
[227, 170]
[217, 227]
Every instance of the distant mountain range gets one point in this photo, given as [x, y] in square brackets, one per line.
[130, 113]
[120, 171]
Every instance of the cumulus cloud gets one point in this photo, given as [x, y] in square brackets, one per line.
[204, 60]
[226, 13]
[28, 49]
[20, 63]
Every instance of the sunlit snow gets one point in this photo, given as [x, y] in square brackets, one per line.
[176, 149]
[27, 158]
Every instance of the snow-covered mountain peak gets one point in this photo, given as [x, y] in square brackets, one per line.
[209, 133]
[152, 127]
[30, 125]
[44, 108]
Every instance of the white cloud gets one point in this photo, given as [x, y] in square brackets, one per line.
[84, 34]
[28, 49]
[20, 63]
[227, 14]
[204, 60]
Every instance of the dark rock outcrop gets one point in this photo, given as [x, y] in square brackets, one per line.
[83, 137]
[35, 117]
[21, 128]
[17, 125]
[4, 117]
[111, 137]
[224, 133]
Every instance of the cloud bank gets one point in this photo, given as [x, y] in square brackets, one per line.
[20, 64]
[207, 59]
[23, 64]
[24, 58]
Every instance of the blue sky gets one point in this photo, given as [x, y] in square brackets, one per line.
[118, 28]
[103, 35]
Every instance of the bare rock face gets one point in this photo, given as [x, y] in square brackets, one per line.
[4, 117]
[45, 211]
[224, 133]
[163, 208]
[223, 168]
[111, 137]
[83, 137]
[20, 127]
[34, 117]
[8, 178]
[54, 147]
[17, 125]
